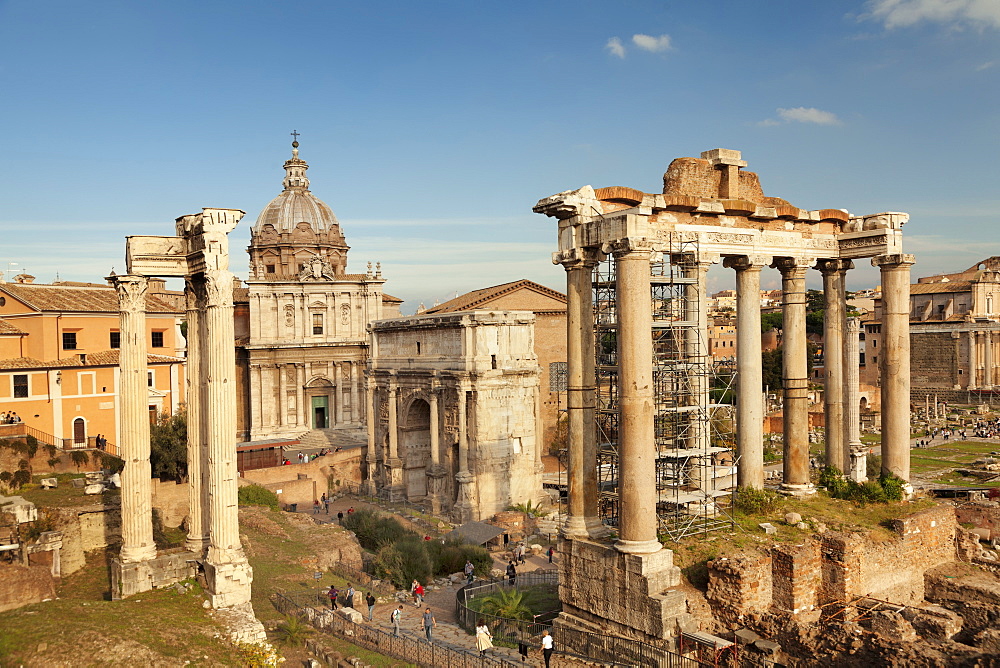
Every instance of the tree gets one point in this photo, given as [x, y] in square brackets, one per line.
[769, 321]
[168, 446]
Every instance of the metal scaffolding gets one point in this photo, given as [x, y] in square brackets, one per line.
[695, 465]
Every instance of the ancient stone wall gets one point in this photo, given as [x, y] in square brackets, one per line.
[835, 566]
[170, 498]
[932, 360]
[84, 529]
[982, 515]
[24, 585]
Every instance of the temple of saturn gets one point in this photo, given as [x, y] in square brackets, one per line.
[200, 254]
[710, 211]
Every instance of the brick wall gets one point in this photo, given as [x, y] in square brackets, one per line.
[739, 585]
[932, 360]
[983, 515]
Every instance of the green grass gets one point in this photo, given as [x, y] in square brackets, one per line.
[65, 495]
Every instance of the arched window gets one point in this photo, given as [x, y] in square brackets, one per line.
[79, 431]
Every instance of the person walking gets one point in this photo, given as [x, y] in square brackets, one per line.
[396, 617]
[418, 595]
[511, 573]
[349, 597]
[333, 594]
[470, 571]
[484, 639]
[551, 553]
[326, 503]
[547, 647]
[370, 600]
[340, 517]
[315, 506]
[429, 624]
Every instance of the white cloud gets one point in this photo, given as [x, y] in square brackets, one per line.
[615, 47]
[652, 44]
[808, 115]
[986, 66]
[904, 13]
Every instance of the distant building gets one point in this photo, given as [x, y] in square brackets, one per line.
[59, 358]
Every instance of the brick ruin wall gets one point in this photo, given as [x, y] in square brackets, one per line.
[932, 361]
[833, 567]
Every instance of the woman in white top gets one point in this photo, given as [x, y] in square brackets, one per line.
[484, 639]
[547, 647]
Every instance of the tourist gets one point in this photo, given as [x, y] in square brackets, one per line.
[511, 573]
[370, 600]
[326, 503]
[315, 506]
[340, 516]
[547, 647]
[470, 571]
[396, 617]
[418, 595]
[333, 594]
[350, 511]
[522, 550]
[484, 639]
[429, 624]
[349, 597]
[551, 553]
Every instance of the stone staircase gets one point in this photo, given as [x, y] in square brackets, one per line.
[317, 439]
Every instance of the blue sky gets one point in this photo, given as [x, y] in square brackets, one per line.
[432, 127]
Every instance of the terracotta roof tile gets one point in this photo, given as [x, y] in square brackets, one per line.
[477, 298]
[103, 358]
[938, 288]
[7, 328]
[74, 298]
[21, 363]
[386, 297]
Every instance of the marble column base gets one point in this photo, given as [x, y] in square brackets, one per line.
[228, 584]
[638, 546]
[789, 489]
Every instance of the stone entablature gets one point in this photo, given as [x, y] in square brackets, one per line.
[454, 401]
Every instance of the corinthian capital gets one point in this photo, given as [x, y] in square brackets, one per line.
[578, 258]
[218, 287]
[131, 292]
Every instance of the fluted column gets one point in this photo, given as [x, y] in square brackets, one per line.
[466, 506]
[302, 417]
[393, 424]
[370, 422]
[988, 359]
[197, 455]
[894, 363]
[637, 493]
[582, 512]
[795, 379]
[282, 370]
[220, 413]
[852, 393]
[338, 394]
[256, 400]
[749, 372]
[434, 473]
[973, 361]
[137, 512]
[696, 345]
[834, 317]
[355, 408]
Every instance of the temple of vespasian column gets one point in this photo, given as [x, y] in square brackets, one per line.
[200, 254]
[710, 211]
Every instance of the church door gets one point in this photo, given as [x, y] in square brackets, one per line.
[320, 409]
[79, 431]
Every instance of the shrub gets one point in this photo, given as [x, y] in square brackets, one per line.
[51, 449]
[892, 485]
[31, 445]
[79, 458]
[374, 530]
[5, 476]
[403, 561]
[111, 463]
[873, 466]
[528, 508]
[54, 461]
[753, 501]
[256, 495]
[293, 631]
[450, 557]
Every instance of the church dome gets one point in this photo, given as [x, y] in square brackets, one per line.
[296, 204]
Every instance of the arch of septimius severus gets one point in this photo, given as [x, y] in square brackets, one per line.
[710, 211]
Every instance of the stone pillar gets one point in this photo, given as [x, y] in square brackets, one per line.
[582, 512]
[227, 571]
[198, 507]
[302, 417]
[355, 409]
[696, 346]
[894, 363]
[852, 398]
[434, 472]
[749, 372]
[833, 353]
[956, 369]
[394, 465]
[282, 395]
[973, 362]
[466, 507]
[988, 359]
[137, 511]
[637, 494]
[338, 394]
[794, 371]
[368, 486]
[393, 424]
[256, 399]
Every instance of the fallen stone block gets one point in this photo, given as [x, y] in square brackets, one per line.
[49, 483]
[768, 528]
[746, 637]
[351, 615]
[95, 488]
[767, 646]
[79, 482]
[934, 622]
[792, 518]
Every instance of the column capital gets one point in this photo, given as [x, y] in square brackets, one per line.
[744, 262]
[833, 266]
[219, 287]
[578, 258]
[131, 291]
[853, 325]
[629, 247]
[893, 261]
[792, 264]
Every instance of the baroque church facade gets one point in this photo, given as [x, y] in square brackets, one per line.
[302, 321]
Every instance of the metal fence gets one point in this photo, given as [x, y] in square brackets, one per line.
[364, 579]
[608, 650]
[307, 606]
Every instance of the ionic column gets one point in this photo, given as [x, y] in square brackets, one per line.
[338, 394]
[973, 362]
[794, 371]
[894, 363]
[749, 372]
[197, 454]
[988, 359]
[220, 416]
[637, 493]
[137, 511]
[852, 392]
[582, 510]
[834, 318]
